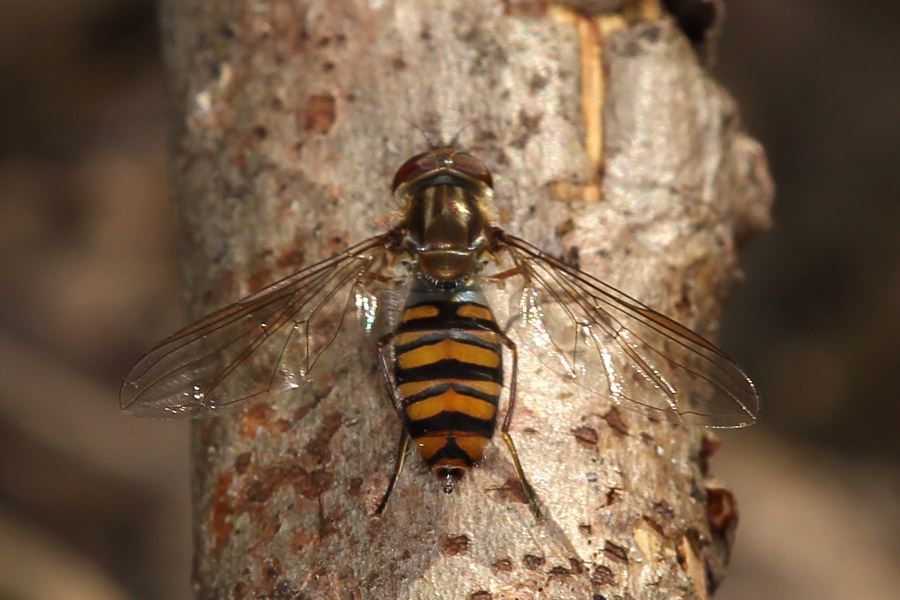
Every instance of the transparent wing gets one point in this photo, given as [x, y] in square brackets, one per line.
[268, 342]
[614, 346]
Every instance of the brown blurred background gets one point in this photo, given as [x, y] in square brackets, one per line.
[94, 505]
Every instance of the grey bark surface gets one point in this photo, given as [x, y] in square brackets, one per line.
[288, 120]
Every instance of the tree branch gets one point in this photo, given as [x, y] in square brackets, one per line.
[610, 147]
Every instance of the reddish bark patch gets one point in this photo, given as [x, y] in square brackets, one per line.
[328, 526]
[255, 418]
[586, 436]
[221, 510]
[709, 445]
[353, 489]
[452, 545]
[319, 114]
[317, 448]
[292, 257]
[301, 539]
[480, 595]
[721, 510]
[259, 278]
[614, 419]
[306, 484]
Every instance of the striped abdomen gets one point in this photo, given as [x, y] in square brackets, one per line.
[449, 374]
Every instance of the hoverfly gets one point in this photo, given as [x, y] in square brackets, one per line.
[441, 350]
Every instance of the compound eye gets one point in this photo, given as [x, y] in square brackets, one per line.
[471, 167]
[414, 168]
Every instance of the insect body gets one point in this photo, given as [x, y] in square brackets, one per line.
[442, 355]
[449, 374]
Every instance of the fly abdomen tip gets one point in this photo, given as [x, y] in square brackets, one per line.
[450, 475]
[449, 482]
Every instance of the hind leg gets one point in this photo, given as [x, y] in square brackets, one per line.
[404, 437]
[507, 438]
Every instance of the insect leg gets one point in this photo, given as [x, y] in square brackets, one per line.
[398, 466]
[391, 387]
[520, 473]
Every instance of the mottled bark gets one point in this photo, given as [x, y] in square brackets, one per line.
[610, 146]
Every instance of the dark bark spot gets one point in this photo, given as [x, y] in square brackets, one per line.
[480, 595]
[573, 257]
[398, 63]
[655, 526]
[698, 19]
[318, 445]
[256, 492]
[651, 34]
[664, 511]
[532, 562]
[575, 568]
[239, 590]
[613, 418]
[314, 484]
[612, 496]
[684, 304]
[283, 590]
[504, 565]
[586, 436]
[531, 123]
[534, 9]
[615, 552]
[603, 576]
[242, 462]
[319, 114]
[354, 487]
[260, 131]
[585, 529]
[537, 82]
[452, 545]
[511, 491]
[565, 228]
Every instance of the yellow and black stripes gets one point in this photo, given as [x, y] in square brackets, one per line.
[449, 374]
